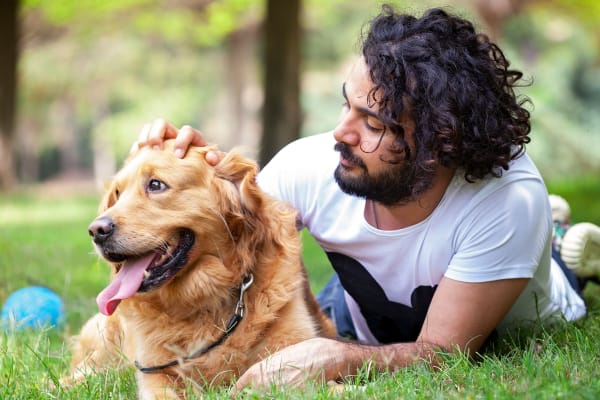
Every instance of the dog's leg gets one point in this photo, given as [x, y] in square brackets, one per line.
[96, 348]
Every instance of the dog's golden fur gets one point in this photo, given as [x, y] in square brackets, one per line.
[238, 230]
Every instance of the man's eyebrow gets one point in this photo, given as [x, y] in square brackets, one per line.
[362, 110]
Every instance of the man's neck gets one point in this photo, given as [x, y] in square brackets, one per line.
[404, 215]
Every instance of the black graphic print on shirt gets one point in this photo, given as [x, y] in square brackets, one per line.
[389, 321]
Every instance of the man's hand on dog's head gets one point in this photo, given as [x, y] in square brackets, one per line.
[155, 133]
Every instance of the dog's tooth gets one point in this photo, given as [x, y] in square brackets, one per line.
[146, 273]
[161, 260]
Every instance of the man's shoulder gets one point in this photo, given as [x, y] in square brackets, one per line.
[519, 184]
[520, 169]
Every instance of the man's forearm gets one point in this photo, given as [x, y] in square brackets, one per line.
[351, 357]
[333, 360]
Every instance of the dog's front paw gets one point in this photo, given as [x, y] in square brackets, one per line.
[74, 379]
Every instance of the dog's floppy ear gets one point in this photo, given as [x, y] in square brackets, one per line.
[241, 171]
[242, 205]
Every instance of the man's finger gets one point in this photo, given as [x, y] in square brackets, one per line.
[187, 137]
[142, 138]
[160, 131]
[256, 376]
[214, 157]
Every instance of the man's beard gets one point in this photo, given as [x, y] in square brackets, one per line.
[400, 183]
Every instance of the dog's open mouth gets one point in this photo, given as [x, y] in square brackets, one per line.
[146, 272]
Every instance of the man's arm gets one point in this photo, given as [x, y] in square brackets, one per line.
[460, 317]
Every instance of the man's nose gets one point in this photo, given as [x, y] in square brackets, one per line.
[346, 131]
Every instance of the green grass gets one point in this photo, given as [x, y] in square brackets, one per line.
[45, 241]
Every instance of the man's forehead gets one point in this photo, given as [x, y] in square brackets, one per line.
[358, 83]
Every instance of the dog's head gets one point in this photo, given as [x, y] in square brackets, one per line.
[162, 217]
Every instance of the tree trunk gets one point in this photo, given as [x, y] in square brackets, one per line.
[281, 109]
[8, 89]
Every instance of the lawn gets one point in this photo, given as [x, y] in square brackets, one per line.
[44, 241]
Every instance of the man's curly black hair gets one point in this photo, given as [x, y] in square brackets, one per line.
[457, 86]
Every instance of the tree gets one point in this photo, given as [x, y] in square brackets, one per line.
[281, 109]
[8, 88]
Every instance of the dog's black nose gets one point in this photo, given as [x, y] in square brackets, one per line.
[101, 229]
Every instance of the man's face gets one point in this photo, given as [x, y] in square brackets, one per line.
[366, 145]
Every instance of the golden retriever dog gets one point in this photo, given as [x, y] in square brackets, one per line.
[207, 275]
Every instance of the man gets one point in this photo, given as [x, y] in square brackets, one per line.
[436, 221]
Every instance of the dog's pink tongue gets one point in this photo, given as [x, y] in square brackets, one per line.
[125, 284]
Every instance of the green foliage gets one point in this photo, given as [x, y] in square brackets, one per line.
[586, 11]
[208, 27]
[204, 23]
[65, 12]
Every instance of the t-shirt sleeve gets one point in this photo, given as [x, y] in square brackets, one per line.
[504, 235]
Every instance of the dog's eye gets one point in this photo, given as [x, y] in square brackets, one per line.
[156, 186]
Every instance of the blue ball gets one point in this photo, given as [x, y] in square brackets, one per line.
[32, 307]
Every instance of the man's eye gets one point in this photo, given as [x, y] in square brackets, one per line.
[374, 125]
[156, 186]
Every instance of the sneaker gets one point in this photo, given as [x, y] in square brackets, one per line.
[561, 211]
[561, 219]
[580, 249]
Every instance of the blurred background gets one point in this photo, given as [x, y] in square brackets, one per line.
[79, 78]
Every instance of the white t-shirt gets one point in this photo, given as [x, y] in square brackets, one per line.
[497, 228]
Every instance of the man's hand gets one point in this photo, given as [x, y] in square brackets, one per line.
[155, 133]
[326, 360]
[319, 359]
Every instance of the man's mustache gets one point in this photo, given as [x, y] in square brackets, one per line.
[347, 154]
